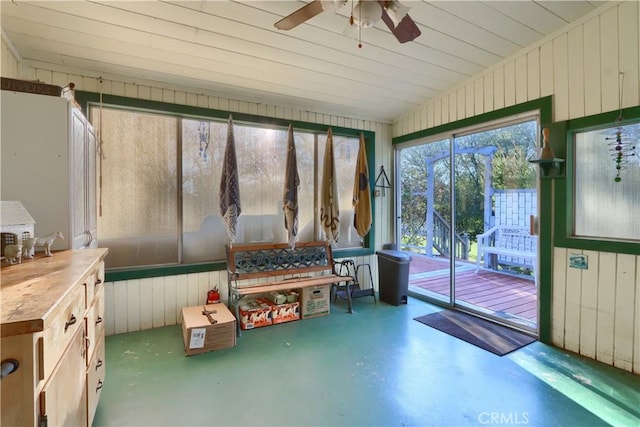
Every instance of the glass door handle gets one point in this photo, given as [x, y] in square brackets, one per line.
[533, 225]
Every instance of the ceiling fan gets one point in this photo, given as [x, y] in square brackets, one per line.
[364, 14]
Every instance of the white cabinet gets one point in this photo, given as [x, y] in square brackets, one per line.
[83, 179]
[49, 164]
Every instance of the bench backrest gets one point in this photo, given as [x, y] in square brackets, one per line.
[255, 260]
[515, 237]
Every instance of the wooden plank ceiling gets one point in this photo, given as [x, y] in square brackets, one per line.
[233, 48]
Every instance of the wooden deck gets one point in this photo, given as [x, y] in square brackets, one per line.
[509, 296]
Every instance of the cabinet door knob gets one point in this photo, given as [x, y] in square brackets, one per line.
[9, 366]
[72, 321]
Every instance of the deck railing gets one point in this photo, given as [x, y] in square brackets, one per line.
[438, 239]
[441, 241]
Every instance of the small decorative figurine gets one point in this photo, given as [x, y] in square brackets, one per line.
[28, 247]
[546, 153]
[13, 253]
[46, 241]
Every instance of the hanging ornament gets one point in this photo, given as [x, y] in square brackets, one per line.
[205, 138]
[620, 146]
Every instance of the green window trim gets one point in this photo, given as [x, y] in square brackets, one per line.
[543, 105]
[564, 197]
[161, 271]
[85, 99]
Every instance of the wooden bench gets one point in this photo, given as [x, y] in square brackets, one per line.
[257, 268]
[516, 245]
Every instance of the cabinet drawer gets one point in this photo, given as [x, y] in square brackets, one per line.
[89, 285]
[58, 332]
[95, 323]
[95, 379]
[93, 283]
[63, 401]
[100, 275]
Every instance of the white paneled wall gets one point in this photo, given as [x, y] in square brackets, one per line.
[134, 305]
[579, 66]
[596, 312]
[9, 59]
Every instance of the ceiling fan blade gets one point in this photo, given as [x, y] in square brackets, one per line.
[406, 31]
[301, 15]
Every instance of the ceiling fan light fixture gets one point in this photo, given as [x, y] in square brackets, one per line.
[333, 5]
[397, 11]
[364, 14]
[367, 13]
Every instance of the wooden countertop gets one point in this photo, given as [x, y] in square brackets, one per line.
[31, 290]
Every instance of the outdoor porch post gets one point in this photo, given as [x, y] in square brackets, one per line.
[488, 194]
[430, 208]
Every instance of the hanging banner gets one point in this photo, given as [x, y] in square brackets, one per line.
[329, 207]
[229, 186]
[291, 184]
[362, 193]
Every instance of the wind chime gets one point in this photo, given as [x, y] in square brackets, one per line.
[620, 146]
[205, 138]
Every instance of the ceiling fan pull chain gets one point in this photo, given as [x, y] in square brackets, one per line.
[360, 26]
[351, 20]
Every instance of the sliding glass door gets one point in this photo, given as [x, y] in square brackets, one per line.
[425, 216]
[465, 207]
[495, 198]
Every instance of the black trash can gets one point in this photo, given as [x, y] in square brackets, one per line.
[393, 276]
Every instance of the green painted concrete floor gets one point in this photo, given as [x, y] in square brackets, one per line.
[376, 367]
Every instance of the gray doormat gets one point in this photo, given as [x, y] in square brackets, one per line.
[487, 335]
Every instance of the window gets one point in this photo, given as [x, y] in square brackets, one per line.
[160, 177]
[345, 151]
[137, 215]
[261, 156]
[604, 208]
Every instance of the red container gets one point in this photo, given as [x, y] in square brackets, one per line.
[213, 296]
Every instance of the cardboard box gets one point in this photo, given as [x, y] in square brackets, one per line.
[315, 301]
[254, 313]
[200, 336]
[282, 313]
